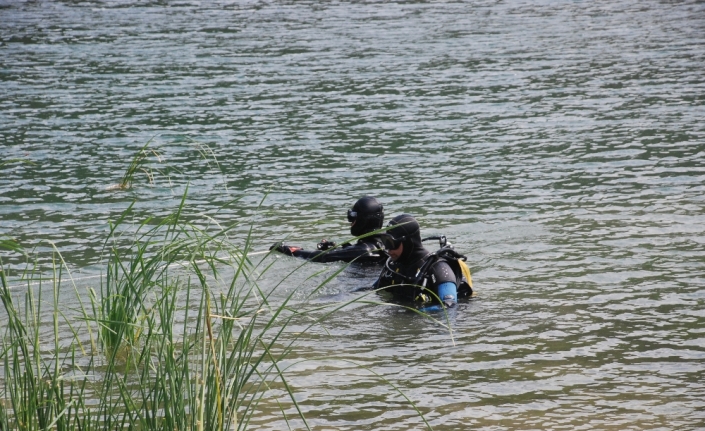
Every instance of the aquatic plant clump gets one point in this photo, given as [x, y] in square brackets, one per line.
[177, 334]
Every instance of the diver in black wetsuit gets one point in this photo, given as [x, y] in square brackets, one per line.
[366, 216]
[413, 274]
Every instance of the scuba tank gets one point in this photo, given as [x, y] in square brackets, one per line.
[446, 252]
[456, 261]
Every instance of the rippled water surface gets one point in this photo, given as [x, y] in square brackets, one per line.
[560, 145]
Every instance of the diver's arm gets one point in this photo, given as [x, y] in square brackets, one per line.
[445, 287]
[360, 252]
[292, 250]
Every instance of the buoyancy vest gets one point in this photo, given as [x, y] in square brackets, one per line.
[419, 282]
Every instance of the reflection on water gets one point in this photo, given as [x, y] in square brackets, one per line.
[559, 146]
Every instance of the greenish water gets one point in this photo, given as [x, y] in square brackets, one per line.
[559, 145]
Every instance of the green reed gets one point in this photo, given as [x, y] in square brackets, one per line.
[177, 335]
[141, 163]
[137, 163]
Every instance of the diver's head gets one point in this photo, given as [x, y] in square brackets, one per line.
[403, 237]
[367, 215]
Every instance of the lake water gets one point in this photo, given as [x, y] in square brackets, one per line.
[560, 145]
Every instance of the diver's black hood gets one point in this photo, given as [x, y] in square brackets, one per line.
[369, 216]
[405, 226]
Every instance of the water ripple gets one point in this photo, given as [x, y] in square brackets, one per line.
[560, 146]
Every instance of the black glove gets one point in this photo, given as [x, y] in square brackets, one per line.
[325, 244]
[286, 249]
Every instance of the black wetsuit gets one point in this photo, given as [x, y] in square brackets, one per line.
[403, 278]
[368, 250]
[417, 275]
